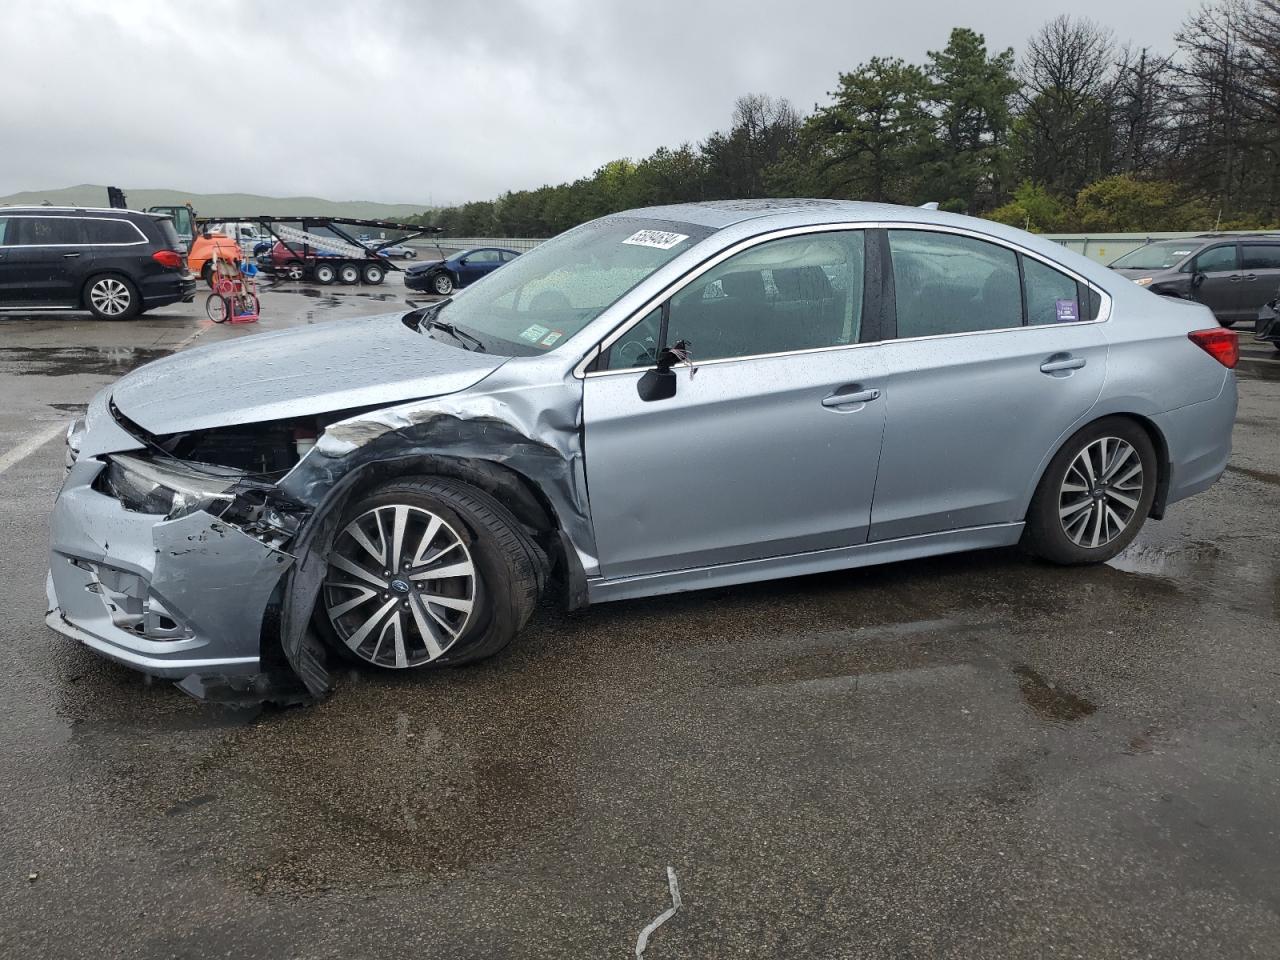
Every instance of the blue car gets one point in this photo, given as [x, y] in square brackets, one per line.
[442, 277]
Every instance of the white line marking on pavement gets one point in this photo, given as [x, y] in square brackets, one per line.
[30, 446]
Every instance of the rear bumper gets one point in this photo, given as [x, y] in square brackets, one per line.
[170, 598]
[158, 291]
[1199, 441]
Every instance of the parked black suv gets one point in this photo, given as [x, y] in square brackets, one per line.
[1231, 275]
[114, 263]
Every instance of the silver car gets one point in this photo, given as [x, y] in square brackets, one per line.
[661, 400]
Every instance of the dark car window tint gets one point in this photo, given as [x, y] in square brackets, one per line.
[1217, 259]
[109, 231]
[1052, 297]
[946, 283]
[798, 293]
[638, 347]
[1260, 256]
[45, 231]
[4, 229]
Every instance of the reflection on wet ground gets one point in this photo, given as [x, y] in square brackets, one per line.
[74, 361]
[1049, 702]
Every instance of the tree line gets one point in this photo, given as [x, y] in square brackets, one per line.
[1078, 133]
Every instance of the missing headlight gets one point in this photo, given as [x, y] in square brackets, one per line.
[172, 490]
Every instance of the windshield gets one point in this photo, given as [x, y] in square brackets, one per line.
[1156, 256]
[540, 299]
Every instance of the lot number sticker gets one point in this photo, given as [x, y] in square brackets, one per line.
[535, 333]
[655, 238]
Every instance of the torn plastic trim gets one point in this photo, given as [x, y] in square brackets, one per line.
[533, 431]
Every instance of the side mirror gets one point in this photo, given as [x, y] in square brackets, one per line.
[659, 383]
[1197, 278]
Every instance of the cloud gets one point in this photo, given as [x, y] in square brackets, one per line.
[418, 102]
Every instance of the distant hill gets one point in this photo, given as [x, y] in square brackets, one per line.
[220, 204]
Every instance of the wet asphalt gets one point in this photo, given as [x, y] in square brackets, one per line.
[973, 756]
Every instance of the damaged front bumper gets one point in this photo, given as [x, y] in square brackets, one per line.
[171, 598]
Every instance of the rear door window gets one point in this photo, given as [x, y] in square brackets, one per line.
[945, 283]
[1260, 256]
[1052, 297]
[44, 231]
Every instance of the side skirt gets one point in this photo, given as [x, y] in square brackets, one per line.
[601, 590]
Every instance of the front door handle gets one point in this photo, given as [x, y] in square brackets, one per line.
[1251, 276]
[1065, 363]
[839, 399]
[70, 255]
[1234, 278]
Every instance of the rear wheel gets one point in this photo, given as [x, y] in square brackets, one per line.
[349, 273]
[428, 571]
[1095, 494]
[112, 297]
[325, 273]
[442, 284]
[373, 273]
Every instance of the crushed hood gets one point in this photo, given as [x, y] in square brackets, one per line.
[317, 369]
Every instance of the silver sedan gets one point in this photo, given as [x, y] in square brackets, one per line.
[660, 400]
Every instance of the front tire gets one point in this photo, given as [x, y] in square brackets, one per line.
[112, 297]
[1095, 494]
[428, 572]
[442, 284]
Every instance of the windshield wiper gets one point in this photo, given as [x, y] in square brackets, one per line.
[460, 335]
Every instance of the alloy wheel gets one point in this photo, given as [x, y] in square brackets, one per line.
[1101, 492]
[401, 586]
[443, 284]
[110, 297]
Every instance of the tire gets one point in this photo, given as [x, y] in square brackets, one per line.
[442, 284]
[110, 296]
[1071, 511]
[294, 271]
[373, 273]
[325, 273]
[206, 273]
[217, 307]
[411, 254]
[356, 611]
[349, 273]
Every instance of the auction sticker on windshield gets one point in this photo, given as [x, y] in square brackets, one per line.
[535, 333]
[655, 238]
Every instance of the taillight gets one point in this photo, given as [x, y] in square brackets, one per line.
[1222, 345]
[168, 258]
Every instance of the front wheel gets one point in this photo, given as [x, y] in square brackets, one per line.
[427, 571]
[442, 284]
[1095, 494]
[294, 271]
[216, 307]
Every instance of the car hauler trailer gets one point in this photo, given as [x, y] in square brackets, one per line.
[334, 256]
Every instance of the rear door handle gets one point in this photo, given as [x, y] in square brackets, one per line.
[1252, 276]
[1234, 278]
[69, 255]
[838, 399]
[1066, 363]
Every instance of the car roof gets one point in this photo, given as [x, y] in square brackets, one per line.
[72, 211]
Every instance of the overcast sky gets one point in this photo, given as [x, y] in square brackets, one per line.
[417, 101]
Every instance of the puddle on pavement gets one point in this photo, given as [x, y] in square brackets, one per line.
[75, 361]
[1261, 476]
[1048, 701]
[1172, 561]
